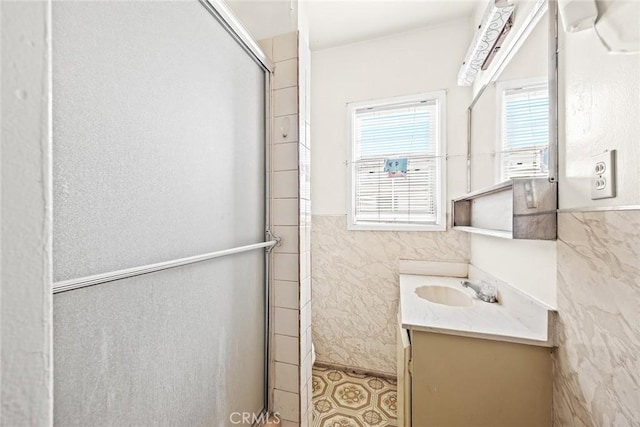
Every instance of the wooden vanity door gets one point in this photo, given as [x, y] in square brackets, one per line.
[461, 382]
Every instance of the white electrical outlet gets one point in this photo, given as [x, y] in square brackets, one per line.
[603, 175]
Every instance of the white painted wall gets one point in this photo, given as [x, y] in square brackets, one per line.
[529, 265]
[265, 19]
[420, 61]
[599, 110]
[26, 355]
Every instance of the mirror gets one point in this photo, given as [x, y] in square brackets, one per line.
[509, 118]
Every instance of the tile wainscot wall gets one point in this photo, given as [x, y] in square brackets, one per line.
[597, 364]
[355, 288]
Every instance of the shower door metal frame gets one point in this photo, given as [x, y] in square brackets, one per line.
[223, 14]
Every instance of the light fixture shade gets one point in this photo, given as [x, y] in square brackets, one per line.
[493, 21]
[577, 15]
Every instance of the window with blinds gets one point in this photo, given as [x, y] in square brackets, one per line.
[397, 163]
[524, 129]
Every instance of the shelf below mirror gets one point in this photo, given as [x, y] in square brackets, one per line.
[521, 208]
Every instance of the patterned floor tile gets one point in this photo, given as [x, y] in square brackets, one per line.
[345, 399]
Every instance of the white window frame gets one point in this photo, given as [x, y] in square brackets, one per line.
[501, 87]
[441, 191]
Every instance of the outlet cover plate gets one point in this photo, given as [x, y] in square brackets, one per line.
[603, 175]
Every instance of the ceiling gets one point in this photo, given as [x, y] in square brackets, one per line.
[339, 22]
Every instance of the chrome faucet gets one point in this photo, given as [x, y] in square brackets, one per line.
[484, 291]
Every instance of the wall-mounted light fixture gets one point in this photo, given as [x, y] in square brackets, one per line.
[497, 44]
[494, 27]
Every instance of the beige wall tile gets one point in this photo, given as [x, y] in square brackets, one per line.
[287, 405]
[286, 322]
[597, 363]
[285, 74]
[285, 185]
[289, 238]
[284, 212]
[287, 349]
[285, 267]
[285, 157]
[285, 102]
[287, 377]
[286, 294]
[285, 47]
[285, 129]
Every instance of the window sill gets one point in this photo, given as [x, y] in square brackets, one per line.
[396, 227]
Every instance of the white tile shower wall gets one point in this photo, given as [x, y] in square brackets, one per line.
[291, 217]
[304, 178]
[597, 364]
[355, 288]
[285, 363]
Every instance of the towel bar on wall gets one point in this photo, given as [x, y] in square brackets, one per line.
[96, 279]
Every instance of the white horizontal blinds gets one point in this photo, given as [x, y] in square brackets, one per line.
[396, 132]
[525, 131]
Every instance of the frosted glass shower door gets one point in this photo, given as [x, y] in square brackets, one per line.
[158, 155]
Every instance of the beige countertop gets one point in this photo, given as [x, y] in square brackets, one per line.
[515, 318]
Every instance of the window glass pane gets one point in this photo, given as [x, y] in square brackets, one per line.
[406, 199]
[405, 134]
[525, 132]
[395, 133]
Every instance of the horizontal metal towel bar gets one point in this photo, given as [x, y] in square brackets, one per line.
[82, 282]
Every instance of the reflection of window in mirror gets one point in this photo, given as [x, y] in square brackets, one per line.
[523, 128]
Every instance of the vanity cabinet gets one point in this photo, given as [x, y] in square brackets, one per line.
[458, 381]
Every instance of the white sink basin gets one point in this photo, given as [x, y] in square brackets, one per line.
[444, 295]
